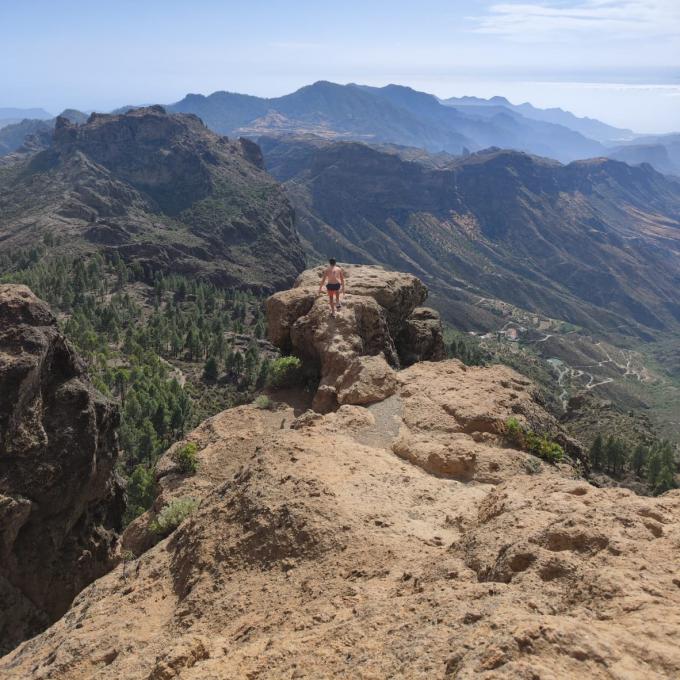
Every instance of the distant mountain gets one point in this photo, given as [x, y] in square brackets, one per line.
[596, 243]
[8, 112]
[661, 151]
[160, 190]
[588, 127]
[14, 136]
[75, 116]
[9, 116]
[335, 111]
[34, 133]
[392, 114]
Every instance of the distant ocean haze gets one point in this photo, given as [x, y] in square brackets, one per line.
[646, 108]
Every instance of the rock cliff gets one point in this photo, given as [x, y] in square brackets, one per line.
[404, 538]
[377, 329]
[60, 501]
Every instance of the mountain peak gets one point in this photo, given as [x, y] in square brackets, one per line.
[159, 187]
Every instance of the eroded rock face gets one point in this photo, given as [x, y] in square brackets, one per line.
[421, 337]
[159, 190]
[60, 501]
[356, 352]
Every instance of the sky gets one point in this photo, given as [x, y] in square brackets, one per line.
[617, 60]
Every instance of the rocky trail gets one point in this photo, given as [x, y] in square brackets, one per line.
[391, 532]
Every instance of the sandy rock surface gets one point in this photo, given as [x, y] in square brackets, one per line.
[318, 552]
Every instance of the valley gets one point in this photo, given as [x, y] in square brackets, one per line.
[158, 245]
[544, 264]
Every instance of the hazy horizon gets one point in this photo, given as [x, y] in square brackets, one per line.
[614, 60]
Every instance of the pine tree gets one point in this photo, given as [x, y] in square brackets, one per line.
[597, 453]
[654, 464]
[160, 420]
[263, 374]
[210, 370]
[148, 441]
[639, 459]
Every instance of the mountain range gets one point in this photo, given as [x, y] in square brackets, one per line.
[10, 115]
[402, 116]
[393, 114]
[576, 253]
[593, 242]
[159, 190]
[588, 127]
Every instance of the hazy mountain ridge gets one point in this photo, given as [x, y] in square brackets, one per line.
[391, 114]
[12, 115]
[402, 116]
[35, 133]
[661, 151]
[589, 127]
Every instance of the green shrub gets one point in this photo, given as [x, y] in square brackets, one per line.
[187, 458]
[538, 445]
[285, 372]
[173, 514]
[514, 432]
[544, 448]
[264, 402]
[532, 466]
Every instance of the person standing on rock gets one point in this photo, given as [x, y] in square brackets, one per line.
[334, 278]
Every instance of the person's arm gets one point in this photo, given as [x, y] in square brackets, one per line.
[342, 280]
[323, 280]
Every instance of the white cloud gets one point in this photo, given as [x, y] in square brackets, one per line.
[558, 20]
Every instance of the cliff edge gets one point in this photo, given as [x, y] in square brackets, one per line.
[398, 538]
[60, 501]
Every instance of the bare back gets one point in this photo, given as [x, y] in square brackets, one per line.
[334, 274]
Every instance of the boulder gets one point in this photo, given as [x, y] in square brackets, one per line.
[61, 502]
[421, 337]
[396, 292]
[354, 353]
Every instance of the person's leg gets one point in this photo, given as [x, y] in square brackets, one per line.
[330, 302]
[338, 304]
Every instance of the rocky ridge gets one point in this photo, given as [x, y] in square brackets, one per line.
[404, 538]
[61, 503]
[159, 190]
[594, 242]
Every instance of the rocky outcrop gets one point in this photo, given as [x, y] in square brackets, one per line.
[410, 518]
[60, 501]
[162, 192]
[477, 561]
[355, 352]
[421, 337]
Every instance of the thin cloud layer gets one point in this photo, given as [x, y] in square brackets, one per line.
[611, 19]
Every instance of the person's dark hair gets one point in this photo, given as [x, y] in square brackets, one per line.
[331, 262]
